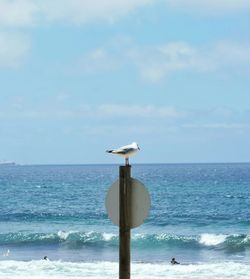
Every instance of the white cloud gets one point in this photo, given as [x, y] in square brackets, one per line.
[154, 63]
[29, 12]
[158, 62]
[13, 49]
[205, 7]
[98, 60]
[17, 12]
[82, 11]
[231, 52]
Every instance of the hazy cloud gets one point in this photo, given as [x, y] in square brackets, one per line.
[99, 60]
[219, 117]
[79, 11]
[205, 7]
[108, 111]
[18, 12]
[155, 63]
[29, 12]
[234, 126]
[13, 49]
[147, 111]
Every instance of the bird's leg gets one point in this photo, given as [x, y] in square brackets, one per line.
[126, 162]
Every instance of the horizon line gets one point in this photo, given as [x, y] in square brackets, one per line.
[115, 164]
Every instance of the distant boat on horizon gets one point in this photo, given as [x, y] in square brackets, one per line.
[7, 163]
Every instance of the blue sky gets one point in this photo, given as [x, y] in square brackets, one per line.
[79, 77]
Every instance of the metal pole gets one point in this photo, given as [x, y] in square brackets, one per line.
[125, 215]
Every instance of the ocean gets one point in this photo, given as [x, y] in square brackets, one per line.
[200, 214]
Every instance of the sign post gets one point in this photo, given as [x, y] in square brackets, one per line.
[124, 222]
[127, 203]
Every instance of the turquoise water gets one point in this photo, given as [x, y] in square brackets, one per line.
[200, 215]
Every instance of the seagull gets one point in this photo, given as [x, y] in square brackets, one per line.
[125, 151]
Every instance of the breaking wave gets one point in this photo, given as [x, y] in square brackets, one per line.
[99, 239]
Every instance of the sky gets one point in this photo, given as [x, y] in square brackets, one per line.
[79, 77]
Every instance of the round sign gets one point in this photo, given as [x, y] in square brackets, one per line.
[140, 203]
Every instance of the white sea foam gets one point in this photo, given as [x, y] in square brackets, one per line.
[106, 270]
[246, 239]
[64, 235]
[212, 239]
[108, 236]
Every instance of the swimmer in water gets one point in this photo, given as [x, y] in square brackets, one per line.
[173, 261]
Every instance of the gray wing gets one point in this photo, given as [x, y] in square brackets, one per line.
[123, 151]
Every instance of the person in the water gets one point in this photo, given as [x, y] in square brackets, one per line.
[45, 258]
[173, 261]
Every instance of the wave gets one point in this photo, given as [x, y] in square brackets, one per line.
[231, 243]
[76, 239]
[105, 270]
[71, 238]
